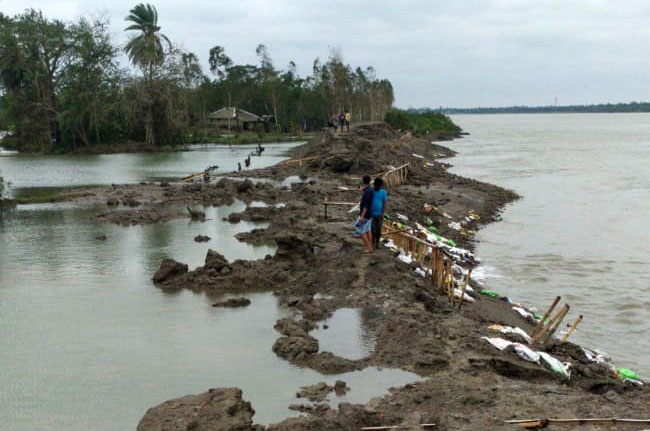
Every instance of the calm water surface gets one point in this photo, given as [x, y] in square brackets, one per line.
[581, 229]
[88, 343]
[27, 171]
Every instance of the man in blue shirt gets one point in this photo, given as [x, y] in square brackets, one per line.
[364, 224]
[377, 210]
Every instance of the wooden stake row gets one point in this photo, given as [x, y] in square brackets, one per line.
[396, 176]
[437, 260]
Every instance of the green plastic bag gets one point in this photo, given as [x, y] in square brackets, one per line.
[386, 216]
[490, 293]
[627, 374]
[451, 242]
[432, 229]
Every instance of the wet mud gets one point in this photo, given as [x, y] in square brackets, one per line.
[319, 267]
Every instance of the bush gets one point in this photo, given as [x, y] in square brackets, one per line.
[420, 123]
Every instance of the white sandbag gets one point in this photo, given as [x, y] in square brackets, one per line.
[526, 353]
[499, 343]
[458, 293]
[556, 365]
[524, 313]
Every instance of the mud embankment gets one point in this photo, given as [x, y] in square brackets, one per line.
[319, 268]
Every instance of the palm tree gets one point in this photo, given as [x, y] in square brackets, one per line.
[146, 51]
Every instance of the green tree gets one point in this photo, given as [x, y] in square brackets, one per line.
[146, 51]
[91, 88]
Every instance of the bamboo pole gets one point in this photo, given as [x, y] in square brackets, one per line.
[538, 336]
[543, 423]
[550, 333]
[462, 295]
[392, 427]
[571, 329]
[545, 316]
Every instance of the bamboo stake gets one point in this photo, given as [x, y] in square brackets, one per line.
[462, 295]
[450, 284]
[545, 316]
[538, 336]
[550, 333]
[571, 329]
[392, 427]
[543, 423]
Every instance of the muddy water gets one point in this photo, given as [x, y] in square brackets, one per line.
[86, 340]
[28, 171]
[581, 229]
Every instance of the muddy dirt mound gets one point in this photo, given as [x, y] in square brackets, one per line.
[215, 261]
[169, 269]
[221, 409]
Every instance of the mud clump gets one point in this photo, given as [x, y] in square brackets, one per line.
[295, 349]
[169, 269]
[291, 245]
[202, 238]
[221, 409]
[233, 303]
[317, 392]
[216, 262]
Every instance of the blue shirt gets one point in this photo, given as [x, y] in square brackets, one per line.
[366, 199]
[378, 202]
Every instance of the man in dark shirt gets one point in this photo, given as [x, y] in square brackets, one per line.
[364, 224]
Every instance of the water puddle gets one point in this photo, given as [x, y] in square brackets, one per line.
[345, 335]
[369, 383]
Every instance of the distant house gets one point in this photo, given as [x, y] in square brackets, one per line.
[234, 118]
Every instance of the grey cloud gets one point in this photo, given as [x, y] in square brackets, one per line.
[451, 53]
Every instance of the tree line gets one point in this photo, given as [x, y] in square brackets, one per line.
[597, 108]
[61, 87]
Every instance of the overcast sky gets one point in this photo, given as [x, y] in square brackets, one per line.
[435, 52]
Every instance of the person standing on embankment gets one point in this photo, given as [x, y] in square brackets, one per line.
[364, 224]
[348, 118]
[377, 210]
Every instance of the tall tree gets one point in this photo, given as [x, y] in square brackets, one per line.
[146, 51]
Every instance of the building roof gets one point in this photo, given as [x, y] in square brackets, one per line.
[234, 114]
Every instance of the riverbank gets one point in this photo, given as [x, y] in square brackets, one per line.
[319, 268]
[141, 147]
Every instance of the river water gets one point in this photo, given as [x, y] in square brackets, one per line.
[581, 229]
[88, 343]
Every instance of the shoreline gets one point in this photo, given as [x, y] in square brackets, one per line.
[416, 330]
[140, 147]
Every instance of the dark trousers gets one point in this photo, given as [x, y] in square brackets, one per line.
[376, 229]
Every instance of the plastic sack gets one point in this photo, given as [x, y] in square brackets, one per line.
[489, 293]
[524, 313]
[458, 293]
[511, 330]
[556, 365]
[526, 353]
[626, 373]
[499, 343]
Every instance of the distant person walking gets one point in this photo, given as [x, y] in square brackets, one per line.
[377, 210]
[348, 118]
[341, 120]
[364, 224]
